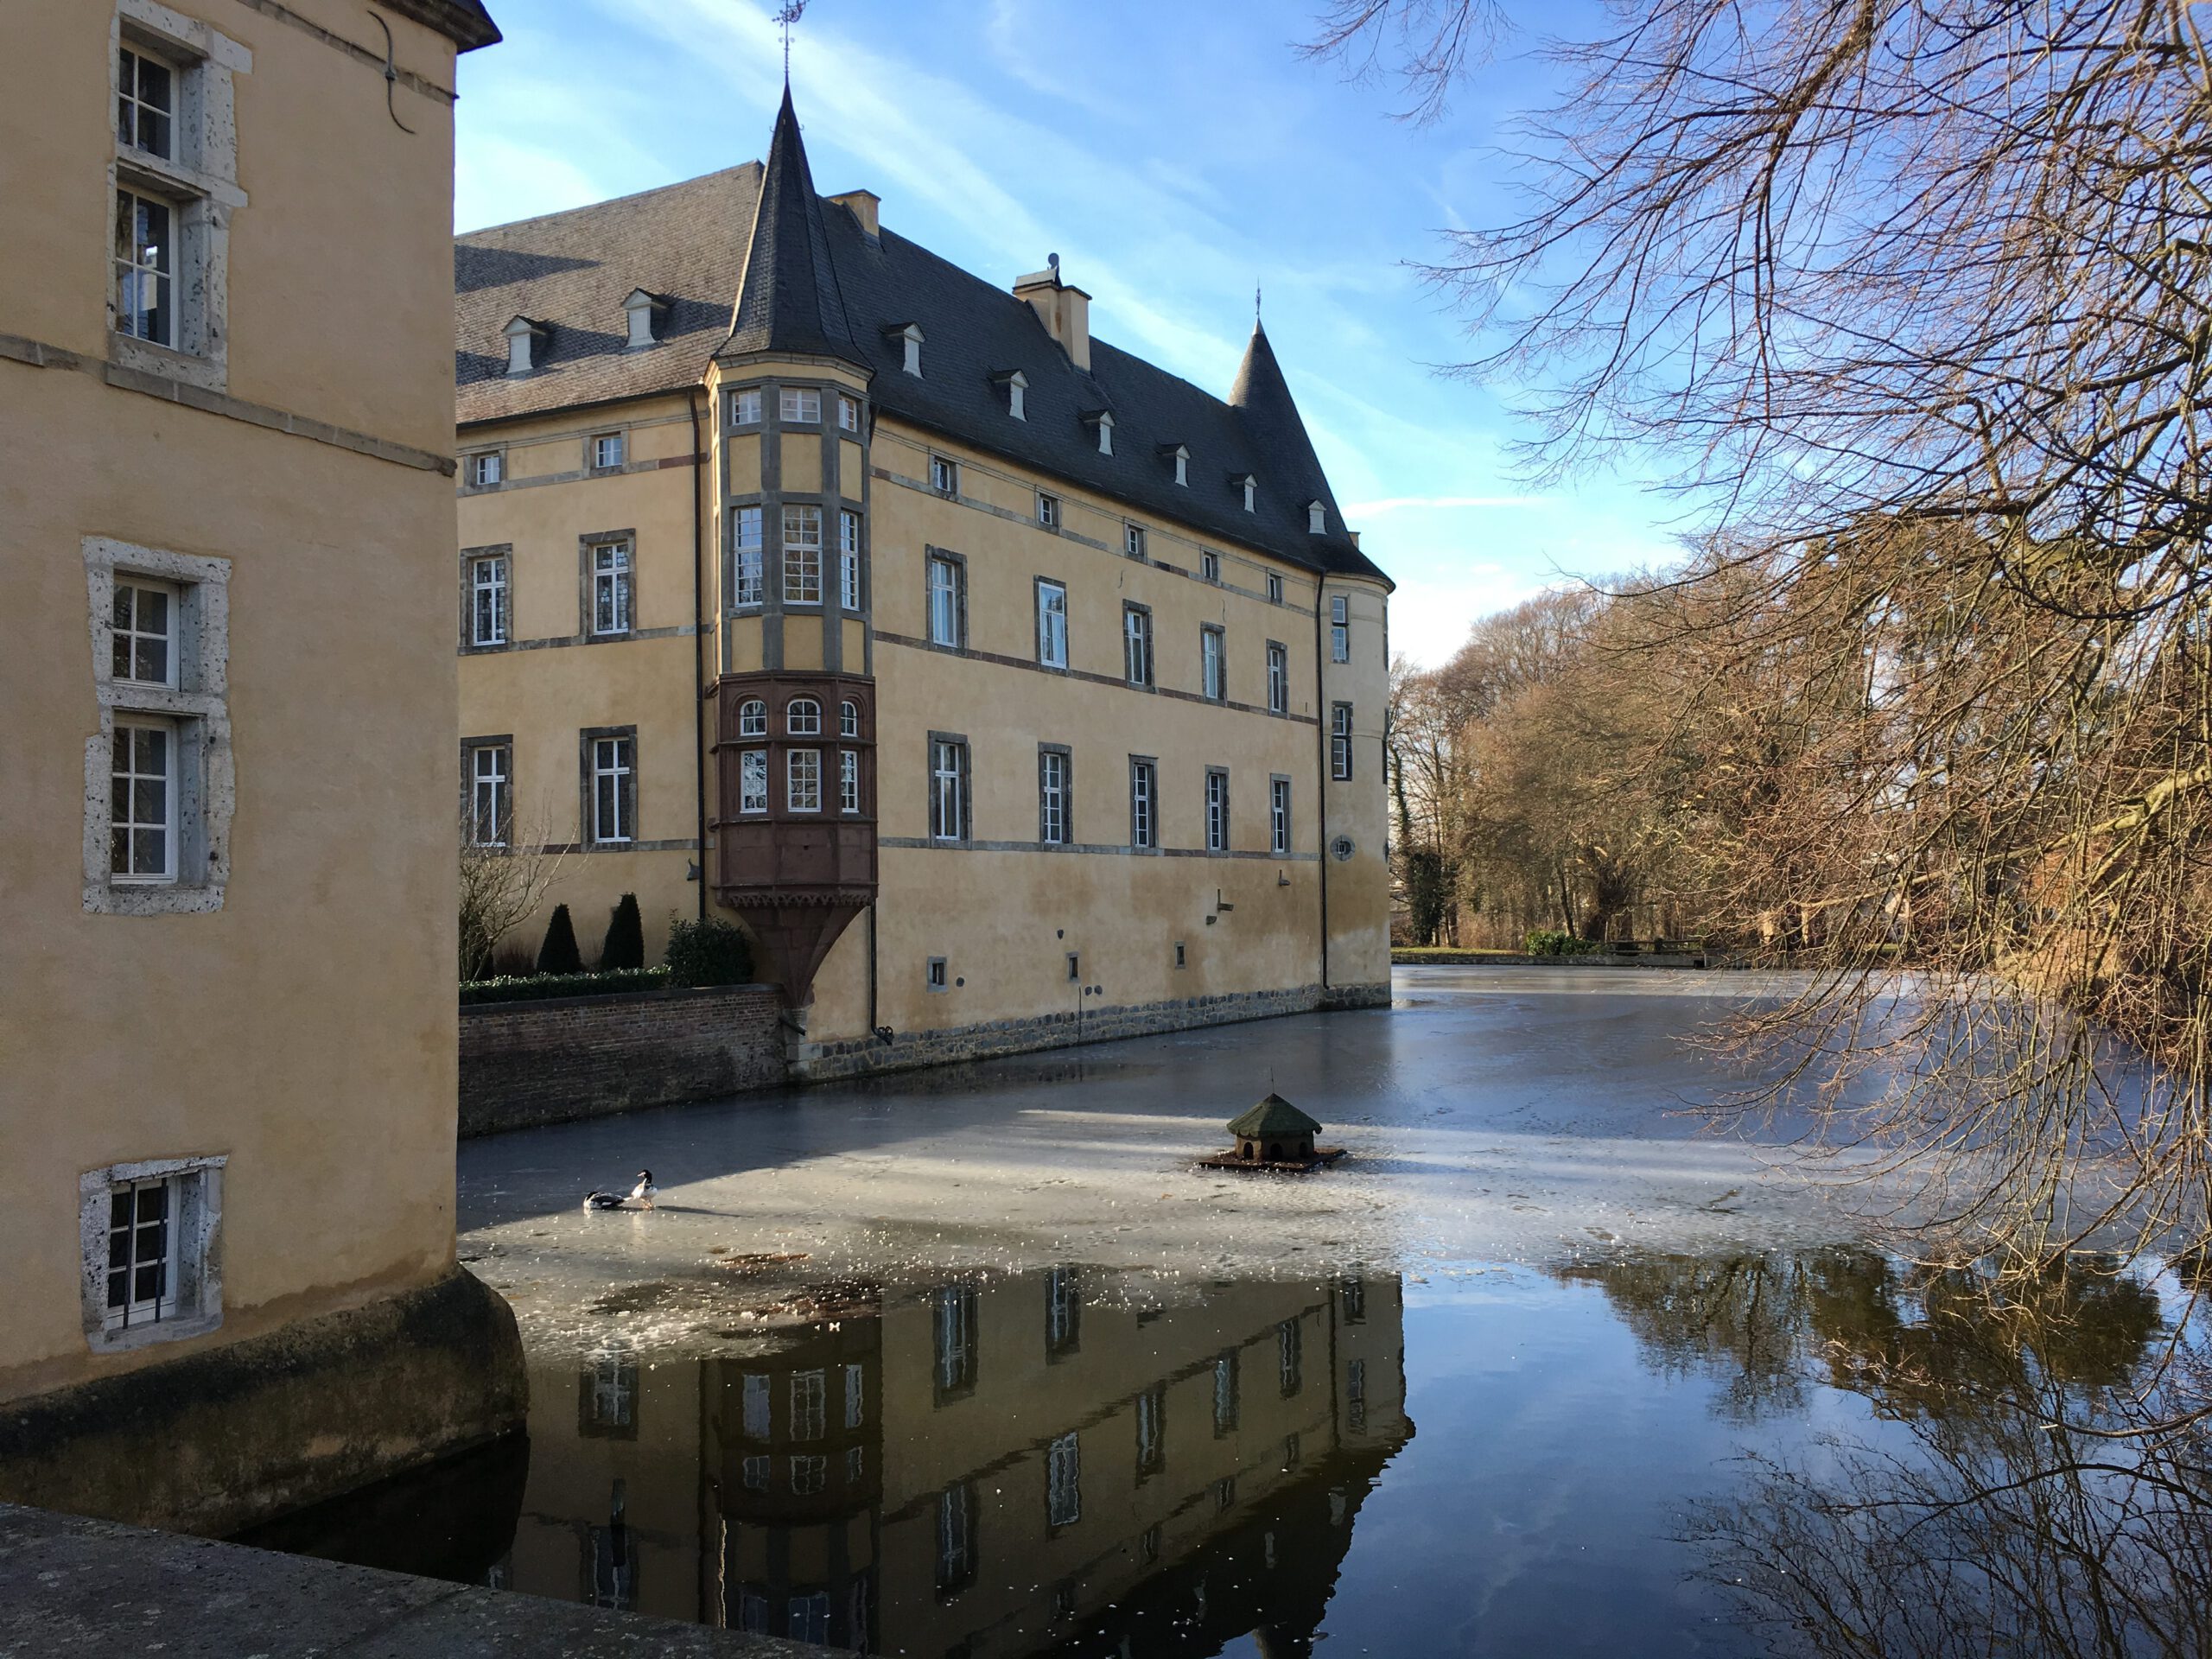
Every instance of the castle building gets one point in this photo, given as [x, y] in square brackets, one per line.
[1007, 688]
[227, 1040]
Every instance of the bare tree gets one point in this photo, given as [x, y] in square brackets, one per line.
[505, 873]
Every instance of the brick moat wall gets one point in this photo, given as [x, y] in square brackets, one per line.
[529, 1063]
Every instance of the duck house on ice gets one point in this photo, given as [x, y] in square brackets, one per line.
[1274, 1135]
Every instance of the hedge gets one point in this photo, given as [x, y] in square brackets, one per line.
[535, 987]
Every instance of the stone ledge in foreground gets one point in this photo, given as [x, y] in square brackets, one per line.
[71, 1586]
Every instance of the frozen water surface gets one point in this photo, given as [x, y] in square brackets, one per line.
[974, 1363]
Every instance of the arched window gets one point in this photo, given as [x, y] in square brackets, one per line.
[753, 718]
[802, 717]
[848, 719]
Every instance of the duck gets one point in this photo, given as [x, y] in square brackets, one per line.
[644, 1190]
[596, 1199]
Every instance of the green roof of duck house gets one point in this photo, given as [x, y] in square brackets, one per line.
[1273, 1116]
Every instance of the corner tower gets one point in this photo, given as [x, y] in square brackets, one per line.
[793, 693]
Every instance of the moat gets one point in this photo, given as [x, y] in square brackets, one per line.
[973, 1363]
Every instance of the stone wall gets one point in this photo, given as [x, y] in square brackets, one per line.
[529, 1063]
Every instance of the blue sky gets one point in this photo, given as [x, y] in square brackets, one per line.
[1174, 155]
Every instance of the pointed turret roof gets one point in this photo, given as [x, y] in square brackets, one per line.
[1273, 1116]
[1271, 417]
[789, 300]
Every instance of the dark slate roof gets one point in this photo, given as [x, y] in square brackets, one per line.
[817, 283]
[464, 22]
[1273, 1116]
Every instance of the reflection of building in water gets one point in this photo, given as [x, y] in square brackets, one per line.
[984, 1469]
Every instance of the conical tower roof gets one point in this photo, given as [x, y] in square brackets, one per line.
[1273, 1116]
[789, 300]
[1278, 432]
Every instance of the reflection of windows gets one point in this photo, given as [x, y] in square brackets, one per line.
[810, 1475]
[611, 1559]
[952, 1335]
[1353, 1290]
[855, 1396]
[1064, 1482]
[1290, 1356]
[1224, 1494]
[608, 1395]
[1152, 1431]
[1356, 1397]
[1063, 1312]
[810, 1405]
[1224, 1393]
[1149, 1545]
[756, 1407]
[1292, 1451]
[752, 1612]
[809, 1617]
[755, 1474]
[855, 1465]
[802, 555]
[955, 1538]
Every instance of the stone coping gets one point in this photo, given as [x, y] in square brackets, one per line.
[71, 1586]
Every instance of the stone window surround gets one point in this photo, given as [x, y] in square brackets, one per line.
[585, 841]
[966, 825]
[1278, 652]
[959, 563]
[468, 748]
[1228, 821]
[1038, 585]
[196, 1244]
[469, 460]
[587, 614]
[201, 184]
[1290, 786]
[592, 468]
[1151, 763]
[206, 785]
[468, 558]
[1067, 795]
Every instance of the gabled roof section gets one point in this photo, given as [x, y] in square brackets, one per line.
[1273, 1116]
[789, 301]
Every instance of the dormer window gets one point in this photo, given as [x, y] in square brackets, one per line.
[644, 311]
[523, 338]
[1015, 384]
[909, 336]
[1101, 421]
[1178, 456]
[1250, 486]
[1317, 518]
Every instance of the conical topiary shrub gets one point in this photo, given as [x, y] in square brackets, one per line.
[625, 937]
[559, 954]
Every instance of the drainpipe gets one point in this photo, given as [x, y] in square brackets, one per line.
[699, 644]
[1321, 786]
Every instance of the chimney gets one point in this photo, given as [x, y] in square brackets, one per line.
[863, 205]
[1064, 311]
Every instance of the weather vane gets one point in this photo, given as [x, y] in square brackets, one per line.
[1255, 302]
[793, 9]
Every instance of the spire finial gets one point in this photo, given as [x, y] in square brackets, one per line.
[1255, 305]
[791, 12]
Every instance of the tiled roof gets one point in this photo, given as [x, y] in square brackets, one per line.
[1273, 1116]
[818, 282]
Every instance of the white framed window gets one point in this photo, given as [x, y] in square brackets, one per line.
[1048, 510]
[802, 555]
[753, 718]
[948, 790]
[745, 406]
[490, 793]
[799, 405]
[149, 1232]
[145, 267]
[1210, 567]
[1133, 540]
[944, 475]
[487, 600]
[1064, 1481]
[145, 103]
[848, 781]
[1340, 741]
[1278, 679]
[613, 777]
[144, 631]
[486, 469]
[752, 780]
[848, 719]
[849, 559]
[1136, 645]
[143, 772]
[608, 450]
[1339, 628]
[1275, 589]
[1216, 810]
[158, 795]
[1213, 662]
[1052, 797]
[849, 413]
[1052, 624]
[610, 587]
[944, 598]
[1279, 816]
[802, 717]
[803, 780]
[745, 556]
[1144, 795]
